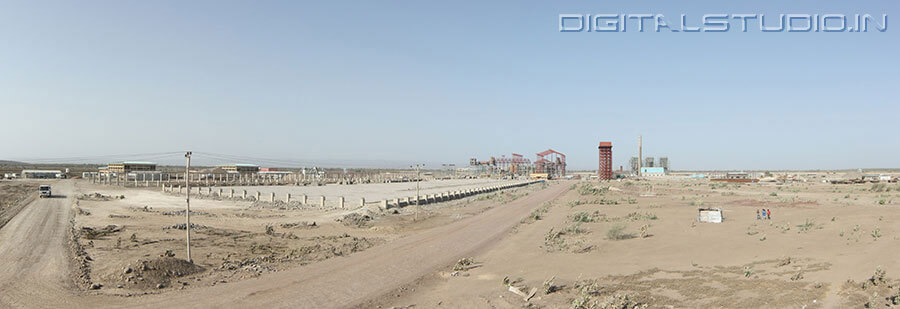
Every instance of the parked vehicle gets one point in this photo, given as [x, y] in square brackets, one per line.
[45, 191]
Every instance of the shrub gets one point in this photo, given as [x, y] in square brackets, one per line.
[617, 232]
[582, 217]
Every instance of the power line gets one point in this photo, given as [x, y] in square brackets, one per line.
[99, 157]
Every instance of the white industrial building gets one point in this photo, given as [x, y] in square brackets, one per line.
[41, 174]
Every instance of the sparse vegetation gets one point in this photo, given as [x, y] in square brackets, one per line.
[589, 189]
[617, 232]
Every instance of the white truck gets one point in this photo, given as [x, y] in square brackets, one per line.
[45, 191]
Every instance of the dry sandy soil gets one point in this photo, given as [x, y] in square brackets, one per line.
[820, 249]
[13, 196]
[135, 237]
[572, 244]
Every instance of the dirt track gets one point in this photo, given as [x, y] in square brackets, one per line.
[33, 259]
[35, 276]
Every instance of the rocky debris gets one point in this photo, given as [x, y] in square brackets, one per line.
[82, 212]
[877, 279]
[356, 220]
[146, 208]
[97, 233]
[182, 226]
[96, 286]
[156, 273]
[99, 197]
[464, 264]
[80, 258]
[180, 213]
[252, 265]
[301, 224]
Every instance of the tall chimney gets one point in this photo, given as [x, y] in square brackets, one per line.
[640, 154]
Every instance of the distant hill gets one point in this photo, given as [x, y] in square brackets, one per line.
[7, 162]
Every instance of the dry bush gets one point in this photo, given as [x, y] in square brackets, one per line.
[617, 232]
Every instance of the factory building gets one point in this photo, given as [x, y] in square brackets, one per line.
[240, 168]
[129, 166]
[648, 162]
[604, 170]
[664, 163]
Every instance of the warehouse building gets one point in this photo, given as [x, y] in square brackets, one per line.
[240, 168]
[130, 166]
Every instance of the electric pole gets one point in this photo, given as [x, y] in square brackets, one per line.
[187, 213]
[417, 166]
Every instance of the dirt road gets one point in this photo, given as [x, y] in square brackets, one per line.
[33, 259]
[33, 253]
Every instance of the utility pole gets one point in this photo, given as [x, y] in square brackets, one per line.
[187, 213]
[417, 166]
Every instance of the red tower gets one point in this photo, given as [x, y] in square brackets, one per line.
[605, 169]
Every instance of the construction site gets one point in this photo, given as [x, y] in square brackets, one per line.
[130, 239]
[448, 154]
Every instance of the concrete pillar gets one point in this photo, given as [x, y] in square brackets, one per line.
[384, 204]
[208, 191]
[220, 192]
[362, 202]
[322, 201]
[245, 195]
[272, 199]
[287, 198]
[257, 195]
[304, 199]
[341, 202]
[397, 202]
[232, 193]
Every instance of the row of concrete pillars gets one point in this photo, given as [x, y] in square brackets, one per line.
[208, 191]
[446, 196]
[385, 204]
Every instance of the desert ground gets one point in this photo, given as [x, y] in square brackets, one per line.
[629, 244]
[559, 244]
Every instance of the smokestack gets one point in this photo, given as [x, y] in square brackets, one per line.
[640, 154]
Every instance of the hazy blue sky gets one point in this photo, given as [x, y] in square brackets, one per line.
[390, 82]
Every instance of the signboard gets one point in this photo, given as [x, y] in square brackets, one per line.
[711, 215]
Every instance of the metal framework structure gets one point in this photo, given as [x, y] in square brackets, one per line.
[551, 162]
[514, 165]
[604, 170]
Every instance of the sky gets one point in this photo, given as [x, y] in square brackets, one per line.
[393, 83]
